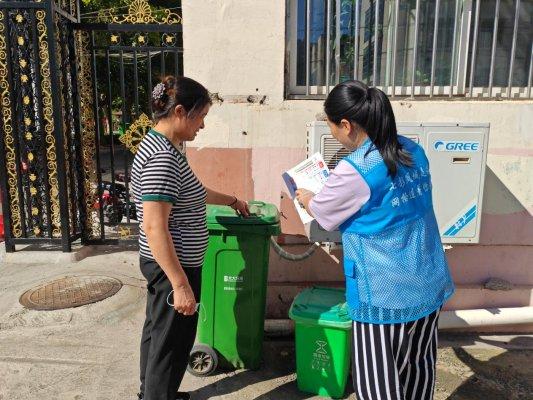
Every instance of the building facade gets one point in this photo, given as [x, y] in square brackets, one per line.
[270, 64]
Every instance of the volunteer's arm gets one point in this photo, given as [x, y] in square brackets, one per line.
[343, 194]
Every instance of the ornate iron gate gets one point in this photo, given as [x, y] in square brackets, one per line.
[75, 101]
[42, 180]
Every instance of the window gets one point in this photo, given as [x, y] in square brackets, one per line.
[412, 47]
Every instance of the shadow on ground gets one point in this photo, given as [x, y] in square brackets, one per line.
[483, 369]
[275, 379]
[507, 375]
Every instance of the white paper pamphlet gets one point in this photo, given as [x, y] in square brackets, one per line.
[310, 174]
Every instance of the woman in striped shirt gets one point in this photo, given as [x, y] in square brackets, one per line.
[171, 209]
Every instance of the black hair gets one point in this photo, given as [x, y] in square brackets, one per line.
[192, 95]
[370, 109]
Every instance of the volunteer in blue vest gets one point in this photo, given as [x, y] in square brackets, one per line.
[397, 277]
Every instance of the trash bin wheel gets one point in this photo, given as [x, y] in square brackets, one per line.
[203, 360]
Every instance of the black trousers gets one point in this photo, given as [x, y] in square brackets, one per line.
[395, 361]
[167, 336]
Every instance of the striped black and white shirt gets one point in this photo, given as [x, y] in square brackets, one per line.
[161, 173]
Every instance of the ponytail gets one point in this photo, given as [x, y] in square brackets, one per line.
[370, 109]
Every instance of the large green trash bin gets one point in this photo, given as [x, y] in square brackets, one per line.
[234, 277]
[323, 341]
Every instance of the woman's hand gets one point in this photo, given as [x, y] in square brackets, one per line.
[241, 207]
[304, 196]
[184, 301]
[214, 197]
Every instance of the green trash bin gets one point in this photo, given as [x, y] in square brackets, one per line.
[323, 333]
[234, 278]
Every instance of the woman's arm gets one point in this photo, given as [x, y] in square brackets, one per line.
[155, 225]
[214, 197]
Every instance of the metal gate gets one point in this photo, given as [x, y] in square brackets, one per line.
[128, 56]
[75, 103]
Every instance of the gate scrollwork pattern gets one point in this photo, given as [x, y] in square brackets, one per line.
[9, 140]
[88, 133]
[46, 90]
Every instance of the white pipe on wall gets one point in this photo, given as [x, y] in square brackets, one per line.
[486, 317]
[447, 320]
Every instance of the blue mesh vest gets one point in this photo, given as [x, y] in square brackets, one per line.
[394, 262]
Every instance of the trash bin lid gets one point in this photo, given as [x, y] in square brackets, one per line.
[261, 214]
[225, 218]
[321, 306]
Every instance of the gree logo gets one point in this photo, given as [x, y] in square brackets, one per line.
[441, 145]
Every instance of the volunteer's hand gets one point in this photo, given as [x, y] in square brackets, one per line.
[304, 196]
[184, 301]
[242, 208]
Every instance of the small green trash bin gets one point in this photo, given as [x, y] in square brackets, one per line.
[234, 278]
[323, 341]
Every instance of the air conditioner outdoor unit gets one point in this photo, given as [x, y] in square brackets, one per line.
[457, 156]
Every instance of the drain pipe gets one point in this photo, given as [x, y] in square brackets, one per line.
[447, 320]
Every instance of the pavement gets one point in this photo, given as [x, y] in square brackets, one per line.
[91, 352]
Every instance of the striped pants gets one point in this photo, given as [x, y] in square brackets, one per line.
[395, 361]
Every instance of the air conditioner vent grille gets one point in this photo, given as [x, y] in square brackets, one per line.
[333, 151]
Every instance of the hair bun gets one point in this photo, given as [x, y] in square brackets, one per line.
[169, 81]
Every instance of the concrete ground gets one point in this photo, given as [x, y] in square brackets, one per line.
[91, 352]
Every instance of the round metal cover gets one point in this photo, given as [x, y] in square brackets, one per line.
[73, 291]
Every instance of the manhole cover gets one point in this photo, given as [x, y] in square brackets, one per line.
[73, 291]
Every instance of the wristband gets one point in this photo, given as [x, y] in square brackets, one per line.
[234, 202]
